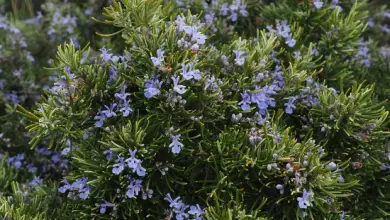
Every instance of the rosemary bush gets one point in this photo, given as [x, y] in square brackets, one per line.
[208, 110]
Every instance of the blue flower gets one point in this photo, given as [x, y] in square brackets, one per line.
[109, 112]
[224, 9]
[113, 75]
[243, 10]
[303, 202]
[109, 154]
[125, 109]
[385, 167]
[180, 22]
[55, 158]
[290, 105]
[332, 165]
[196, 211]
[159, 59]
[79, 183]
[196, 36]
[84, 192]
[176, 87]
[174, 203]
[188, 73]
[65, 151]
[31, 168]
[152, 87]
[246, 100]
[65, 187]
[297, 55]
[36, 181]
[135, 164]
[240, 60]
[181, 213]
[100, 118]
[263, 98]
[122, 95]
[147, 194]
[134, 188]
[119, 166]
[176, 145]
[12, 97]
[106, 56]
[103, 206]
[318, 4]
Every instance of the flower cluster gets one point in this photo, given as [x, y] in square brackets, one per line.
[78, 188]
[135, 187]
[193, 38]
[180, 209]
[132, 162]
[111, 111]
[232, 11]
[283, 30]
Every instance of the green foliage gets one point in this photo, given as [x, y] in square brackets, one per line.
[246, 125]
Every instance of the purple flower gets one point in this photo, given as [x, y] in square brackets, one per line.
[147, 194]
[79, 184]
[119, 166]
[125, 109]
[332, 165]
[181, 213]
[152, 87]
[315, 51]
[134, 188]
[109, 112]
[12, 97]
[65, 187]
[243, 10]
[122, 95]
[55, 158]
[246, 100]
[174, 203]
[159, 59]
[188, 73]
[106, 56]
[135, 164]
[180, 22]
[113, 75]
[84, 192]
[100, 118]
[176, 145]
[370, 23]
[303, 202]
[36, 181]
[290, 105]
[318, 4]
[109, 154]
[224, 9]
[240, 60]
[31, 168]
[196, 36]
[385, 167]
[263, 98]
[196, 211]
[103, 206]
[65, 151]
[387, 13]
[176, 87]
[297, 55]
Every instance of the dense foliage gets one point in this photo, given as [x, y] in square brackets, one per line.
[226, 109]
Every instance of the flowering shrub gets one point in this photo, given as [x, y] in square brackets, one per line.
[204, 110]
